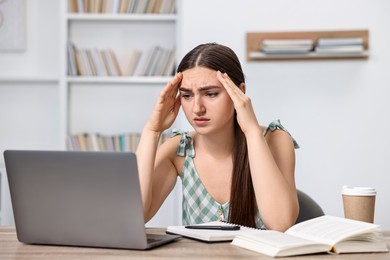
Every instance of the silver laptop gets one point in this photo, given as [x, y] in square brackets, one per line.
[88, 199]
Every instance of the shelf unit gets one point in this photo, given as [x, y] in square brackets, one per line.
[254, 44]
[122, 33]
[114, 105]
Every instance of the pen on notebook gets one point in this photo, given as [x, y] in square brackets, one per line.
[214, 227]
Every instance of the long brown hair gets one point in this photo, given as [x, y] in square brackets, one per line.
[242, 197]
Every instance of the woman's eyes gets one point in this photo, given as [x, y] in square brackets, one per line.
[208, 94]
[185, 96]
[212, 94]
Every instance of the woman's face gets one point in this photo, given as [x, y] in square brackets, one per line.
[205, 102]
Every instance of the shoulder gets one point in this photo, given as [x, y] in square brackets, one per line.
[282, 146]
[279, 139]
[169, 149]
[170, 144]
[276, 132]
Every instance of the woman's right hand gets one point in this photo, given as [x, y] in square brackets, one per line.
[167, 106]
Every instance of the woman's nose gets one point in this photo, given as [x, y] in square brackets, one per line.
[199, 108]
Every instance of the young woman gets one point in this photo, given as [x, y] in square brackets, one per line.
[232, 168]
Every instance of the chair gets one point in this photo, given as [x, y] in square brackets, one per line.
[308, 208]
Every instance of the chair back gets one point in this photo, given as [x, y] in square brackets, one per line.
[308, 208]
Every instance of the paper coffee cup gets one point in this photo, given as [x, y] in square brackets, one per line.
[359, 203]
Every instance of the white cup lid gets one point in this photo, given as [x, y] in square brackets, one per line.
[358, 191]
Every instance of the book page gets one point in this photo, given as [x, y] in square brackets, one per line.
[330, 230]
[277, 239]
[274, 243]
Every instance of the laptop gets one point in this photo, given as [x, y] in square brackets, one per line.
[90, 199]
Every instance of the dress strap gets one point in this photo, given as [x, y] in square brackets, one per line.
[186, 144]
[274, 125]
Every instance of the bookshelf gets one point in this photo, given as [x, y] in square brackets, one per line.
[96, 104]
[114, 105]
[254, 45]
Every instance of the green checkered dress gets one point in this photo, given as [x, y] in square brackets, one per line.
[198, 205]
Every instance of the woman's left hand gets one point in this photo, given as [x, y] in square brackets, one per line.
[242, 103]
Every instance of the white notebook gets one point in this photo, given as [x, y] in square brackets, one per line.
[211, 235]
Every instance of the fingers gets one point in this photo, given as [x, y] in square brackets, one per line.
[172, 87]
[233, 91]
[177, 105]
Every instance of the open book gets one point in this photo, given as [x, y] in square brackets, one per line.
[319, 235]
[211, 235]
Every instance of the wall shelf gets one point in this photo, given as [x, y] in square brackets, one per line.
[29, 79]
[254, 45]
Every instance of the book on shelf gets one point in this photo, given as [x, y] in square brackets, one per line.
[145, 61]
[210, 235]
[340, 46]
[132, 63]
[91, 64]
[287, 42]
[81, 67]
[340, 41]
[325, 234]
[73, 6]
[287, 49]
[72, 66]
[98, 63]
[153, 62]
[95, 6]
[151, 6]
[285, 46]
[169, 68]
[341, 50]
[123, 6]
[141, 6]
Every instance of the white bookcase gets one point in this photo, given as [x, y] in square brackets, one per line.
[113, 105]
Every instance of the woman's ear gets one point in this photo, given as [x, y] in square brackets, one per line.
[242, 87]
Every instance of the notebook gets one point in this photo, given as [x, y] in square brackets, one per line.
[211, 235]
[88, 199]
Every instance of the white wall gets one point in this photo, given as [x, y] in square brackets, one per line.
[336, 110]
[29, 95]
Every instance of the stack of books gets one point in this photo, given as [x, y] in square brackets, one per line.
[123, 6]
[107, 143]
[340, 46]
[156, 61]
[286, 46]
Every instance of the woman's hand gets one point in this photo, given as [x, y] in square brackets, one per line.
[167, 106]
[245, 114]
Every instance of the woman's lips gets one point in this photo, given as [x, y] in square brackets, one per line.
[201, 121]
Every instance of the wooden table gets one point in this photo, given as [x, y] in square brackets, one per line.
[11, 248]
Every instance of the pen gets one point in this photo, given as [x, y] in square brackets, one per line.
[214, 227]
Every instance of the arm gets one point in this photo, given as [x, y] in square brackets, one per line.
[156, 170]
[273, 171]
[273, 177]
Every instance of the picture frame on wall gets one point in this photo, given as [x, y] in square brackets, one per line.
[12, 25]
